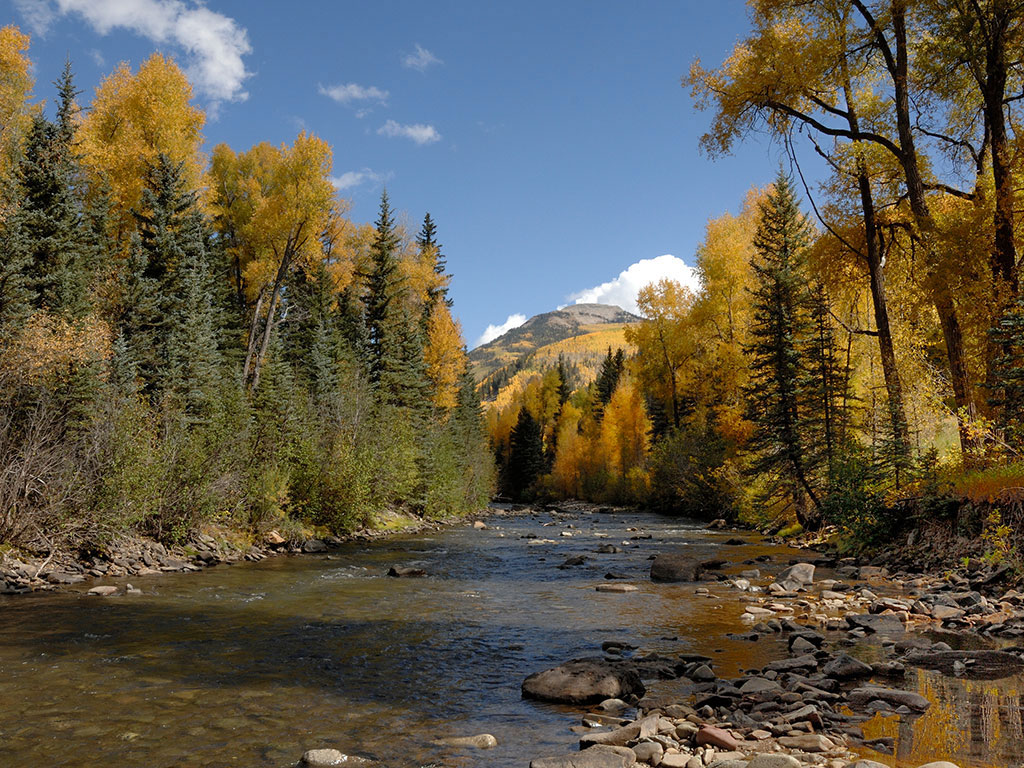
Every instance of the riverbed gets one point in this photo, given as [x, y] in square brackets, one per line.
[252, 664]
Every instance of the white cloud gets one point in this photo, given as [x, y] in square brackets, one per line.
[351, 179]
[214, 43]
[494, 331]
[347, 93]
[420, 59]
[421, 134]
[623, 289]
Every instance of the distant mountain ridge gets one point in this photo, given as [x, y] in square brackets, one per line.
[580, 332]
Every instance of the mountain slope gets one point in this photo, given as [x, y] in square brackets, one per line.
[581, 334]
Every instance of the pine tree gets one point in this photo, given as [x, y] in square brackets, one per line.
[427, 242]
[778, 372]
[565, 387]
[608, 378]
[395, 341]
[526, 456]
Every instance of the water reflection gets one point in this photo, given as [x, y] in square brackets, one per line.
[970, 722]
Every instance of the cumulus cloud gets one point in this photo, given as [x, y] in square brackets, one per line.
[623, 289]
[214, 44]
[351, 179]
[494, 331]
[420, 59]
[421, 134]
[349, 93]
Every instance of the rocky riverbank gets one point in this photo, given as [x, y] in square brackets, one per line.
[808, 707]
[104, 571]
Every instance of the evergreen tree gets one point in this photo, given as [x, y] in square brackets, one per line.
[394, 339]
[608, 378]
[170, 323]
[427, 242]
[565, 383]
[778, 372]
[16, 294]
[526, 456]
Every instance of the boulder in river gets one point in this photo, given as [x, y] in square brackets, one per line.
[875, 622]
[403, 572]
[676, 566]
[584, 681]
[324, 757]
[845, 667]
[977, 665]
[313, 545]
[892, 696]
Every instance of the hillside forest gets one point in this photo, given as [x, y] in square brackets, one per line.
[854, 354]
[191, 339]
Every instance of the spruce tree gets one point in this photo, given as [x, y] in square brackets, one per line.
[428, 245]
[1007, 393]
[526, 456]
[778, 372]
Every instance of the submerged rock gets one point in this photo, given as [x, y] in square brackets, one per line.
[584, 681]
[480, 741]
[401, 572]
[675, 566]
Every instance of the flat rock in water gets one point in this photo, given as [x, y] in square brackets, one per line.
[584, 681]
[105, 590]
[314, 545]
[978, 665]
[480, 741]
[675, 566]
[617, 588]
[595, 757]
[317, 758]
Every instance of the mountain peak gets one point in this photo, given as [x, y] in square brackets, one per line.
[544, 329]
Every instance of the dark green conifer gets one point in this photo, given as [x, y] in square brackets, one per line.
[778, 372]
[526, 456]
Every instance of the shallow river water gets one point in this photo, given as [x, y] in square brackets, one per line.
[252, 664]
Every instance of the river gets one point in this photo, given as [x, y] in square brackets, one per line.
[252, 664]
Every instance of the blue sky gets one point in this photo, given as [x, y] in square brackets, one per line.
[552, 142]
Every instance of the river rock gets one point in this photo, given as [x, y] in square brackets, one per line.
[710, 736]
[616, 588]
[867, 764]
[675, 566]
[770, 760]
[759, 685]
[882, 623]
[324, 757]
[619, 737]
[402, 572]
[313, 545]
[845, 667]
[892, 696]
[811, 742]
[595, 757]
[939, 764]
[60, 577]
[105, 590]
[649, 752]
[584, 681]
[801, 573]
[480, 741]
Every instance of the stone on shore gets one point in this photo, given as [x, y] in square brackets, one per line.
[584, 681]
[708, 735]
[595, 757]
[811, 742]
[105, 590]
[311, 546]
[801, 573]
[769, 760]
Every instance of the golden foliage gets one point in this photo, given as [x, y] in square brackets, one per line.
[445, 357]
[16, 83]
[133, 119]
[49, 347]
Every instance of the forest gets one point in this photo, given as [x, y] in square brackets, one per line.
[191, 340]
[854, 354]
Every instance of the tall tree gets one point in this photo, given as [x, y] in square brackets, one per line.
[778, 372]
[526, 456]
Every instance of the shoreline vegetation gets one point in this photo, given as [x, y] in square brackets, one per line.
[193, 341]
